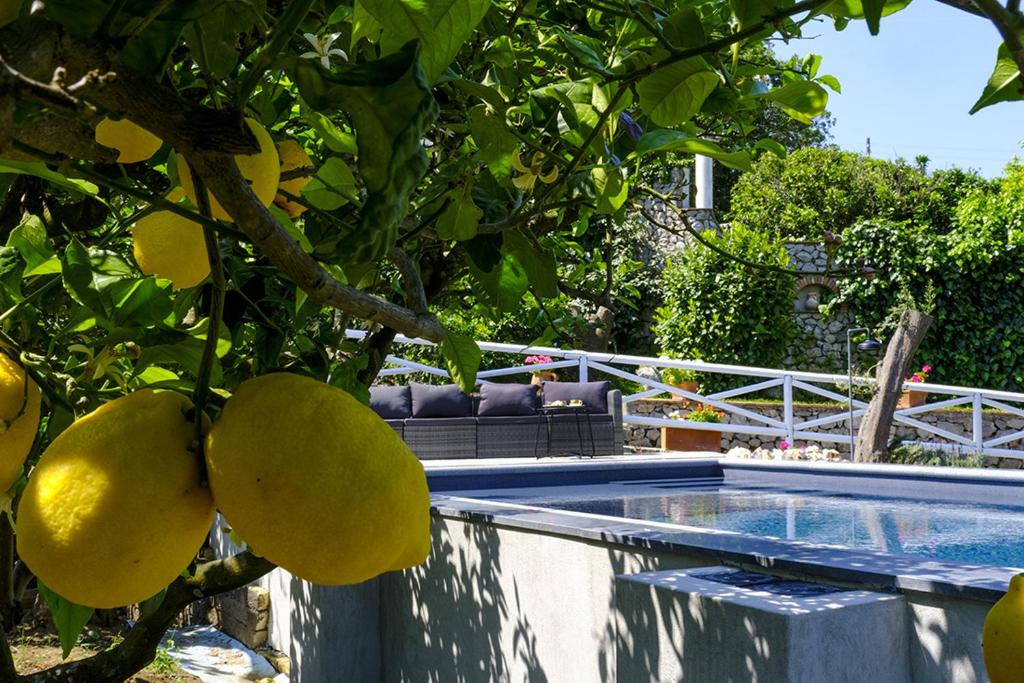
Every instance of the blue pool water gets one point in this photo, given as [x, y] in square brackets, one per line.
[957, 532]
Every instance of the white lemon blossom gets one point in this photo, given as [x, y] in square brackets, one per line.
[322, 49]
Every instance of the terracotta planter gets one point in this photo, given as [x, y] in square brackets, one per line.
[687, 385]
[912, 399]
[678, 439]
[542, 376]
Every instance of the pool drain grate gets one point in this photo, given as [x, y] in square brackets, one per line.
[770, 584]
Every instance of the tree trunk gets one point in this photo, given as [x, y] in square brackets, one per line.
[873, 435]
[597, 336]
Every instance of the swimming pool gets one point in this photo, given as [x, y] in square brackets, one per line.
[586, 569]
[971, 533]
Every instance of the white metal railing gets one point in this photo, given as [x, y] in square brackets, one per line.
[788, 428]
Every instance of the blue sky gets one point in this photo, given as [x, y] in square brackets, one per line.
[910, 87]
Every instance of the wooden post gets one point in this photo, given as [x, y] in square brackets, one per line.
[873, 435]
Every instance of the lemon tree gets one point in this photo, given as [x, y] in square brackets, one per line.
[194, 205]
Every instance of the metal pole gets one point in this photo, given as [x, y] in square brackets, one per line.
[849, 375]
[849, 386]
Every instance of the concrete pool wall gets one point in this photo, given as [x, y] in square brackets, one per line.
[510, 594]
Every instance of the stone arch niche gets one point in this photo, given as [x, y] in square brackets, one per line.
[811, 291]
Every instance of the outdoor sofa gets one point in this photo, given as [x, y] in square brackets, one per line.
[502, 420]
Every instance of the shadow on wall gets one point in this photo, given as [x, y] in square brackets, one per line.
[451, 621]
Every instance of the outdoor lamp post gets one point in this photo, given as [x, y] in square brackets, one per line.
[869, 345]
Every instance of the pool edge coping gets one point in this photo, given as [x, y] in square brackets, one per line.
[836, 563]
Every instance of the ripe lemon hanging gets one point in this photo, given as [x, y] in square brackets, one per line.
[19, 419]
[115, 509]
[134, 142]
[292, 156]
[1003, 636]
[171, 246]
[316, 482]
[262, 170]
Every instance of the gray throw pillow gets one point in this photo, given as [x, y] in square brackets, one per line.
[501, 400]
[440, 401]
[593, 394]
[391, 403]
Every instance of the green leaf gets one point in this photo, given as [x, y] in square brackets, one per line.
[40, 170]
[442, 27]
[332, 186]
[462, 357]
[78, 277]
[460, 219]
[336, 139]
[540, 265]
[873, 14]
[610, 188]
[832, 82]
[502, 287]
[677, 141]
[684, 28]
[802, 100]
[68, 617]
[495, 144]
[391, 109]
[33, 245]
[1005, 84]
[584, 54]
[674, 94]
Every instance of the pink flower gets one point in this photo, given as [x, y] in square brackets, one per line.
[916, 378]
[783, 445]
[926, 368]
[537, 360]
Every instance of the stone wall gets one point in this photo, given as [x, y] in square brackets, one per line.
[995, 423]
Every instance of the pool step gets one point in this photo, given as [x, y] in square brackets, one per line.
[723, 624]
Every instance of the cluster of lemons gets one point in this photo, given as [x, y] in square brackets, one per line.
[171, 246]
[119, 504]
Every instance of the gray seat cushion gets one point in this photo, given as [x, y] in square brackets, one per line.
[440, 401]
[498, 400]
[391, 403]
[593, 394]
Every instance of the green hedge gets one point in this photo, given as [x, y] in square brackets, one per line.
[722, 311]
[971, 279]
[818, 189]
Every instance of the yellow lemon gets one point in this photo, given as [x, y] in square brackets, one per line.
[316, 482]
[262, 170]
[1003, 635]
[134, 142]
[115, 509]
[292, 156]
[171, 246]
[19, 419]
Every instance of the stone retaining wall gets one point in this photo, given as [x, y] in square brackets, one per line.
[955, 421]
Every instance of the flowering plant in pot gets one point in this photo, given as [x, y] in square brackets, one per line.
[689, 439]
[540, 376]
[682, 378]
[912, 398]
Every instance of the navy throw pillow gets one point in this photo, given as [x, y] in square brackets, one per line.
[391, 403]
[440, 401]
[593, 394]
[501, 400]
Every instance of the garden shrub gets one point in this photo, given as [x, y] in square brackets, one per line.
[817, 189]
[723, 311]
[971, 279]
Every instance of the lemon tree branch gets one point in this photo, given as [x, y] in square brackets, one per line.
[140, 644]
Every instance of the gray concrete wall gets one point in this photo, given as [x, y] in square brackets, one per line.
[500, 604]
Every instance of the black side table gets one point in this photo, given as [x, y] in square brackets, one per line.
[549, 412]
